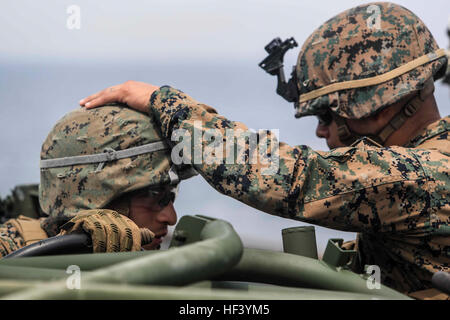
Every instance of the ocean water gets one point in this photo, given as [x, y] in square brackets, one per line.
[33, 96]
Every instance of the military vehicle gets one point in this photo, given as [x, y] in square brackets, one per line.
[205, 260]
[23, 198]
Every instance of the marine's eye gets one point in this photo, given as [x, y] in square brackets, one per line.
[166, 198]
[325, 119]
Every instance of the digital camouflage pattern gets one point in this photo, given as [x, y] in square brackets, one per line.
[397, 198]
[361, 43]
[67, 190]
[10, 239]
[20, 232]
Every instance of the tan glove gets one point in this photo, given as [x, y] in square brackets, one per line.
[18, 233]
[109, 230]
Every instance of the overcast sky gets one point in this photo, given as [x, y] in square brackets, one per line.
[209, 49]
[173, 29]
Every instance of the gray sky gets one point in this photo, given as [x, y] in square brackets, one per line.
[209, 49]
[174, 29]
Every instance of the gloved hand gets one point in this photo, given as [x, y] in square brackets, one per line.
[109, 230]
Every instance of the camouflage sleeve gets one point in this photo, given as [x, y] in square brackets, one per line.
[10, 239]
[356, 189]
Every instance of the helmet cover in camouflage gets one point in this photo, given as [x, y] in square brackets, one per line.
[374, 42]
[63, 191]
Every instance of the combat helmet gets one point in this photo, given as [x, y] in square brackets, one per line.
[359, 62]
[92, 157]
[365, 59]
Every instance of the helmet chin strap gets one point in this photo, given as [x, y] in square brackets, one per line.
[348, 137]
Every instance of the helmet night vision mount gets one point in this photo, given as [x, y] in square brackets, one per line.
[273, 64]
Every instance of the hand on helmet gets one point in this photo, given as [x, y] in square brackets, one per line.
[109, 230]
[133, 93]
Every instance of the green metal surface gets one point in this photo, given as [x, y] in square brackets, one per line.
[335, 256]
[219, 250]
[296, 271]
[10, 286]
[300, 241]
[86, 262]
[29, 273]
[188, 230]
[95, 291]
[205, 261]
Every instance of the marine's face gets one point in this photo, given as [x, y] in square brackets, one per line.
[152, 212]
[328, 130]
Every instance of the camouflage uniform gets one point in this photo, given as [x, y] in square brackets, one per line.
[10, 239]
[397, 198]
[92, 163]
[93, 196]
[376, 51]
[66, 190]
[19, 232]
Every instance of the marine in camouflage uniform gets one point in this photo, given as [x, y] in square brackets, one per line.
[397, 198]
[92, 163]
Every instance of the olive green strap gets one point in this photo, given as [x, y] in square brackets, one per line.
[399, 119]
[409, 109]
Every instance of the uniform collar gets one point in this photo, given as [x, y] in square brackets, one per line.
[430, 131]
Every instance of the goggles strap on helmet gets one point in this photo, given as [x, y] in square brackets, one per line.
[408, 110]
[101, 158]
[347, 136]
